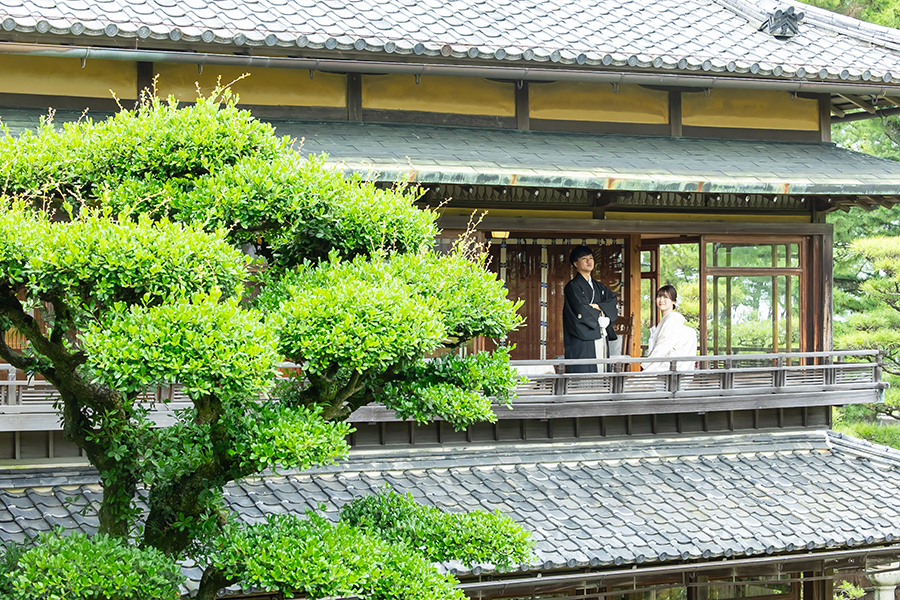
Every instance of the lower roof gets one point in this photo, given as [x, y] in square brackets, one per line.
[586, 503]
[429, 154]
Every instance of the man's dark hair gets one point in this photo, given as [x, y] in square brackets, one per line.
[579, 252]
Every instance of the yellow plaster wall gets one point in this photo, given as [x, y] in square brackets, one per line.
[47, 76]
[749, 109]
[265, 87]
[578, 101]
[435, 93]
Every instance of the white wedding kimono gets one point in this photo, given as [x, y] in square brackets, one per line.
[671, 337]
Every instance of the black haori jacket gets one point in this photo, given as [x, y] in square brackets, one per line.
[580, 320]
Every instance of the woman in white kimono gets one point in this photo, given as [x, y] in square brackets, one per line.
[671, 336]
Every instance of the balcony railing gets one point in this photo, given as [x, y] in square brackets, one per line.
[727, 382]
[717, 383]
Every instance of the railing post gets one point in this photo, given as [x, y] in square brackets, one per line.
[617, 385]
[879, 367]
[673, 377]
[780, 375]
[6, 396]
[728, 375]
[560, 386]
[829, 370]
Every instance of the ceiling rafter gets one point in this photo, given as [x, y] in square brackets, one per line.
[859, 102]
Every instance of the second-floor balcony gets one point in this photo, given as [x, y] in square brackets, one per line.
[619, 388]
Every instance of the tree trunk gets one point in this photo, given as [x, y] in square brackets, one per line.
[212, 581]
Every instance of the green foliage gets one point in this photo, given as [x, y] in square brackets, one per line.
[129, 237]
[405, 305]
[77, 567]
[159, 141]
[318, 559]
[471, 537]
[847, 591]
[471, 300]
[10, 555]
[290, 437]
[210, 347]
[877, 433]
[882, 12]
[94, 261]
[456, 388]
[357, 315]
[300, 208]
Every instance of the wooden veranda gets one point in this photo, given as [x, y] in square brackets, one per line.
[719, 383]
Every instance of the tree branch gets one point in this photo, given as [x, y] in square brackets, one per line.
[16, 359]
[211, 582]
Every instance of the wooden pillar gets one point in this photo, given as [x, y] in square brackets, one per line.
[815, 589]
[825, 117]
[827, 243]
[354, 97]
[703, 301]
[144, 78]
[675, 128]
[633, 302]
[522, 111]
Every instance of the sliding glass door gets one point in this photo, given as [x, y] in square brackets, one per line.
[753, 295]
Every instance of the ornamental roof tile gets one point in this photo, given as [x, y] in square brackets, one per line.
[715, 36]
[586, 503]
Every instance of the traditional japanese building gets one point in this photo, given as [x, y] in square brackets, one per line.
[625, 124]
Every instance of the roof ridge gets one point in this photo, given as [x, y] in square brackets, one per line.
[847, 444]
[820, 17]
[655, 448]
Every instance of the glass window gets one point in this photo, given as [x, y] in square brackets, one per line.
[753, 314]
[748, 255]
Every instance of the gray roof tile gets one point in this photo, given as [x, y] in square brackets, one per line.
[589, 161]
[780, 495]
[704, 34]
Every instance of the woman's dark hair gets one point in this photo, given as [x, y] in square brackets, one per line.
[579, 252]
[669, 292]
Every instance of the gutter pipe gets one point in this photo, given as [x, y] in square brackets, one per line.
[501, 586]
[84, 53]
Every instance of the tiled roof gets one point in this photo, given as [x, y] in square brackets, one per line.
[502, 157]
[714, 36]
[437, 155]
[18, 120]
[586, 503]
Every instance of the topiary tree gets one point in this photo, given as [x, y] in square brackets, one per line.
[192, 245]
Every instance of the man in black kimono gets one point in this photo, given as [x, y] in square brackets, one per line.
[589, 311]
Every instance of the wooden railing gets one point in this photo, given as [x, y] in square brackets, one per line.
[722, 382]
[728, 382]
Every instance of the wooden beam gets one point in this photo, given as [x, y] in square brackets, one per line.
[892, 100]
[837, 112]
[860, 102]
[621, 227]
